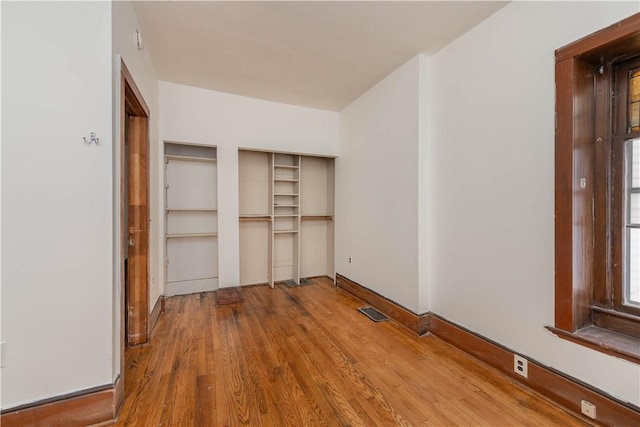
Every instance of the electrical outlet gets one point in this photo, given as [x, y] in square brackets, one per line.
[520, 366]
[588, 409]
[349, 260]
[3, 353]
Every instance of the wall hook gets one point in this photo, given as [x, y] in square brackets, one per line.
[92, 138]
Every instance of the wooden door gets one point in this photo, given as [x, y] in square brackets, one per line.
[137, 232]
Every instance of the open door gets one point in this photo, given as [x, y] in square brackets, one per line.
[135, 211]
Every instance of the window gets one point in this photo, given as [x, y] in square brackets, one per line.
[597, 200]
[631, 290]
[616, 217]
[632, 259]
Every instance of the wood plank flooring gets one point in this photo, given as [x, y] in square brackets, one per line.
[304, 357]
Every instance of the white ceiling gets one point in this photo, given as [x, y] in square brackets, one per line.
[315, 54]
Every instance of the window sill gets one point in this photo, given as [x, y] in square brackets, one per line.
[616, 321]
[614, 343]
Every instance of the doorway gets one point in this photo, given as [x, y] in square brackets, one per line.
[134, 212]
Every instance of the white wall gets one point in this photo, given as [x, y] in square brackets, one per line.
[189, 114]
[492, 263]
[56, 190]
[377, 188]
[139, 64]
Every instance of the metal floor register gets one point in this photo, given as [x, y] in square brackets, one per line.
[373, 314]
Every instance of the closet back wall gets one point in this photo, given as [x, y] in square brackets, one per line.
[230, 122]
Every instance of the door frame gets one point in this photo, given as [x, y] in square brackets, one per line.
[133, 103]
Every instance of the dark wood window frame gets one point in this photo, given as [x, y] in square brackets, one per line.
[588, 171]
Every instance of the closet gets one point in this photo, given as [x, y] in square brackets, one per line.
[191, 219]
[286, 217]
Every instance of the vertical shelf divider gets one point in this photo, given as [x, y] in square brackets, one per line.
[271, 223]
[296, 237]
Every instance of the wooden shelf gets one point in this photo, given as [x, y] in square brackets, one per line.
[190, 158]
[286, 194]
[285, 167]
[168, 236]
[284, 231]
[191, 210]
[286, 179]
[316, 217]
[285, 206]
[247, 218]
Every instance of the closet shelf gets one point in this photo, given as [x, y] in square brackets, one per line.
[190, 210]
[285, 167]
[286, 194]
[286, 216]
[190, 158]
[168, 236]
[275, 205]
[247, 218]
[284, 231]
[285, 179]
[325, 217]
[191, 242]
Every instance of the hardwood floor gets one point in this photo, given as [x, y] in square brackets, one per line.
[305, 356]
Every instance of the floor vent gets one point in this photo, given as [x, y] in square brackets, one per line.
[373, 314]
[305, 282]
